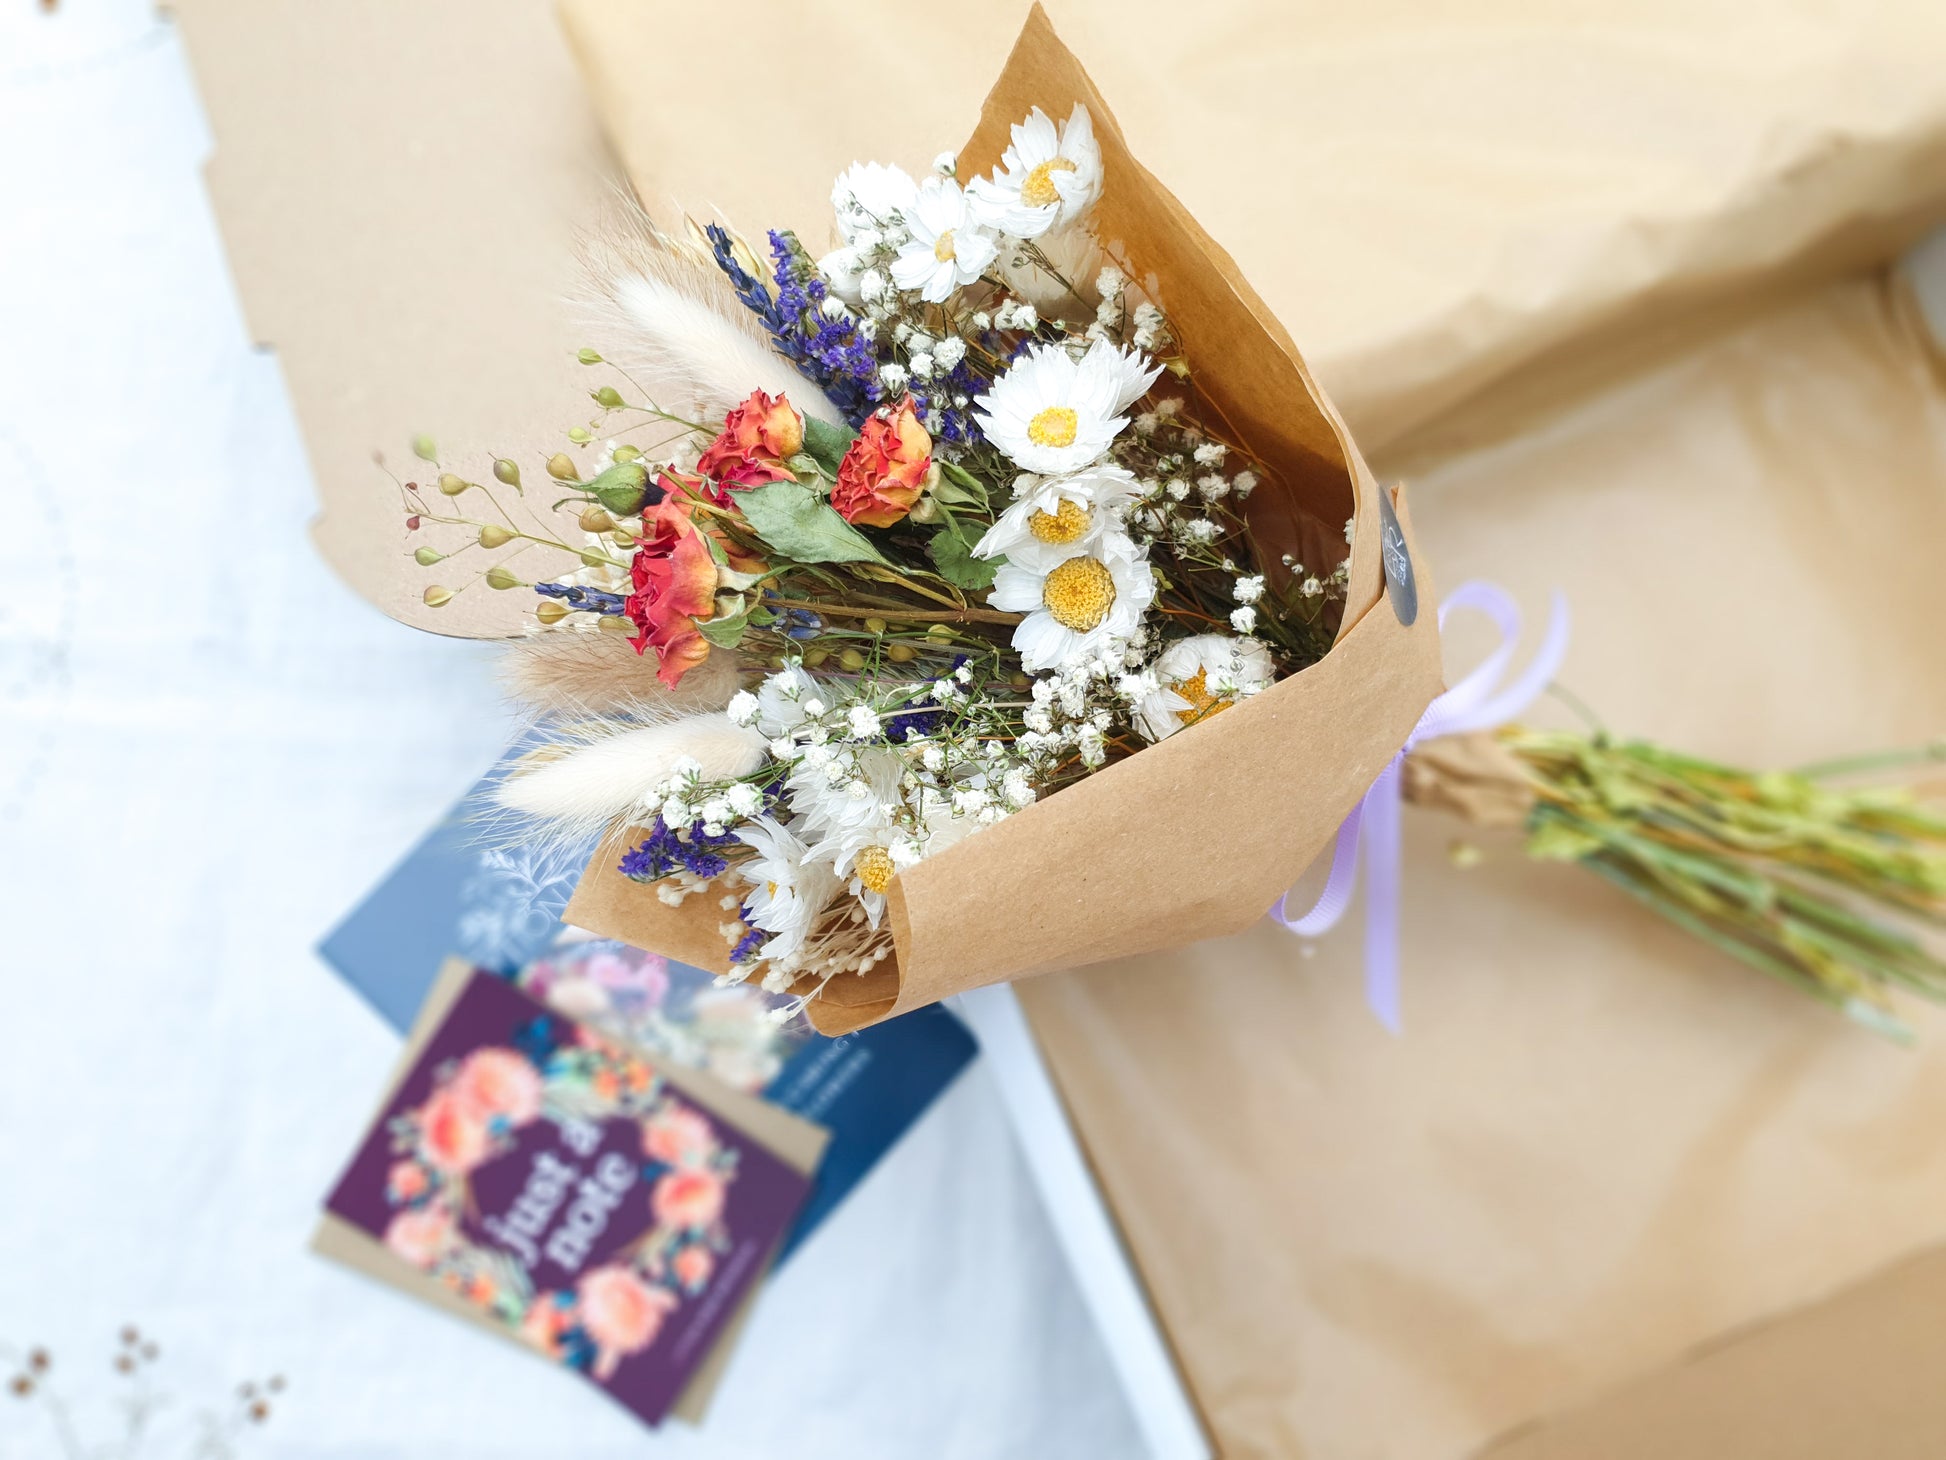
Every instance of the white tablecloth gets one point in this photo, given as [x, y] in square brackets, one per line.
[208, 750]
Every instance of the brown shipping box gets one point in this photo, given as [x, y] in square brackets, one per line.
[1607, 1196]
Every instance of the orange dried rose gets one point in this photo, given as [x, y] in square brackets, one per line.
[886, 468]
[758, 437]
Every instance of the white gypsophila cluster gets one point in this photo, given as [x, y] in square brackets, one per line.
[867, 780]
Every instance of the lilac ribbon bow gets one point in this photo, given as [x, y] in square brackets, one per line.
[1477, 702]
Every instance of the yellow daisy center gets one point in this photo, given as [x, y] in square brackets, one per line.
[873, 868]
[1067, 523]
[1079, 594]
[1202, 704]
[1055, 426]
[1038, 191]
[942, 248]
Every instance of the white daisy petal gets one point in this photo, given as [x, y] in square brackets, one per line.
[1053, 414]
[1199, 676]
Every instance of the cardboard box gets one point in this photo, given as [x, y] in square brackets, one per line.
[1608, 1195]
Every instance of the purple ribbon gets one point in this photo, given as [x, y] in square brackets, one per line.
[1477, 702]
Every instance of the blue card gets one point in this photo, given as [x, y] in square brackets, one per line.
[460, 893]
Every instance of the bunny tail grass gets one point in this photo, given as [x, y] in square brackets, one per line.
[581, 787]
[571, 673]
[670, 320]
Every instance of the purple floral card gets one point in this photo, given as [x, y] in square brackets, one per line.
[558, 1183]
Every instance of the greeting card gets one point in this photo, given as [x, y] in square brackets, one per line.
[571, 1192]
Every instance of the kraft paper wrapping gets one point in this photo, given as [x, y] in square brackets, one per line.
[1077, 878]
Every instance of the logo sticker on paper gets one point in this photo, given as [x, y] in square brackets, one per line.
[1400, 586]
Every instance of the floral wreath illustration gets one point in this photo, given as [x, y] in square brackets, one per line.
[615, 1309]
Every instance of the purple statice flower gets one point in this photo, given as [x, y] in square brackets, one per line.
[666, 851]
[924, 715]
[747, 945]
[575, 596]
[830, 353]
[956, 423]
[848, 361]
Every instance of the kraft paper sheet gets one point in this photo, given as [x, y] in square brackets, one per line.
[1598, 1144]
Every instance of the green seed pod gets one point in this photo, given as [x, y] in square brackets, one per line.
[551, 612]
[614, 623]
[507, 472]
[814, 657]
[437, 597]
[608, 398]
[499, 577]
[580, 435]
[852, 660]
[1019, 682]
[622, 488]
[561, 467]
[874, 625]
[425, 557]
[594, 560]
[451, 485]
[594, 519]
[940, 633]
[587, 356]
[621, 538]
[901, 653]
[493, 535]
[628, 453]
[424, 449]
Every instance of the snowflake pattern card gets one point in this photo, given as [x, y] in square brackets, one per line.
[605, 1211]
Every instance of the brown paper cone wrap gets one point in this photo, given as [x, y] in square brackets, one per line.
[1197, 836]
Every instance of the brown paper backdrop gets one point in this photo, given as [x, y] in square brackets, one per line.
[1597, 1144]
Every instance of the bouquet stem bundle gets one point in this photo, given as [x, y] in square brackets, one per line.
[1804, 875]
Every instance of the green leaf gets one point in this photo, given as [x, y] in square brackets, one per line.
[952, 553]
[827, 444]
[795, 521]
[726, 630]
[621, 488]
[958, 485]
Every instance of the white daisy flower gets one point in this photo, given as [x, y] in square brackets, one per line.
[860, 858]
[782, 701]
[1052, 413]
[854, 787]
[1074, 257]
[949, 247]
[788, 889]
[866, 197]
[869, 195]
[1048, 178]
[1054, 517]
[1198, 676]
[1076, 603]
